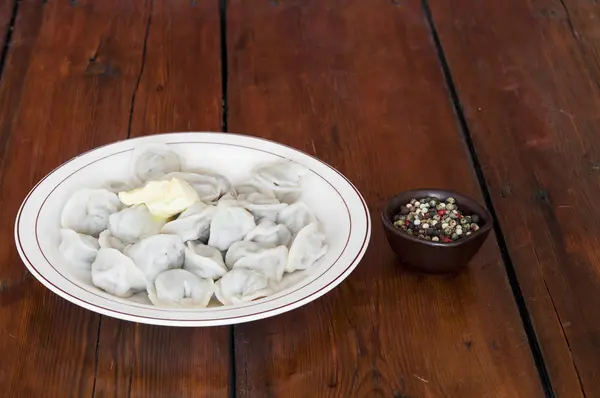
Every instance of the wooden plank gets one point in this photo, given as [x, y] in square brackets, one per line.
[55, 102]
[530, 95]
[359, 85]
[179, 90]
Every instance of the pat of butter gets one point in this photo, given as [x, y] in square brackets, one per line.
[163, 198]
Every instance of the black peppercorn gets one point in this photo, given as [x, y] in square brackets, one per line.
[436, 220]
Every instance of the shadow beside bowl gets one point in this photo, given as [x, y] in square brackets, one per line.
[435, 257]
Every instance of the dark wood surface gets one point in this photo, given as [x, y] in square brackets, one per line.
[373, 105]
[56, 103]
[495, 99]
[530, 95]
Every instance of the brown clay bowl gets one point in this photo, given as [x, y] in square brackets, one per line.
[435, 257]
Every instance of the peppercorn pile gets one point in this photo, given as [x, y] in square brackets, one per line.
[435, 220]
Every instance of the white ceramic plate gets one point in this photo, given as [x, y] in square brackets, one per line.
[335, 201]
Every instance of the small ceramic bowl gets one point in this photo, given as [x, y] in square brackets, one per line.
[435, 257]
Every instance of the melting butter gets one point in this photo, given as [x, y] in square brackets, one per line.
[164, 199]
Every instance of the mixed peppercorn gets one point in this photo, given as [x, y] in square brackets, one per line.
[435, 220]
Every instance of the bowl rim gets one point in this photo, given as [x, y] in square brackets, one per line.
[480, 210]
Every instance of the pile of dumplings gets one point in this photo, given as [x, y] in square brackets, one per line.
[235, 243]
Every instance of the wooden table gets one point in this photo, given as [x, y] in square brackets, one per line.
[497, 99]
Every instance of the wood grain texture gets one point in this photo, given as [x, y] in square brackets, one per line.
[359, 85]
[66, 88]
[179, 90]
[530, 93]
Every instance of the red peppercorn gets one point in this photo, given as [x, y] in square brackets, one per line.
[441, 212]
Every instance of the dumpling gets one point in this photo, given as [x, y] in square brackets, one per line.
[134, 223]
[229, 199]
[204, 261]
[194, 209]
[79, 249]
[209, 188]
[156, 254]
[243, 248]
[119, 186]
[270, 261]
[261, 205]
[224, 183]
[253, 187]
[193, 223]
[152, 161]
[280, 176]
[229, 224]
[292, 279]
[178, 287]
[87, 211]
[296, 216]
[243, 190]
[107, 241]
[307, 248]
[283, 178]
[268, 232]
[241, 285]
[115, 273]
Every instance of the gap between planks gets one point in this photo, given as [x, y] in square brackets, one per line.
[510, 270]
[224, 128]
[139, 77]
